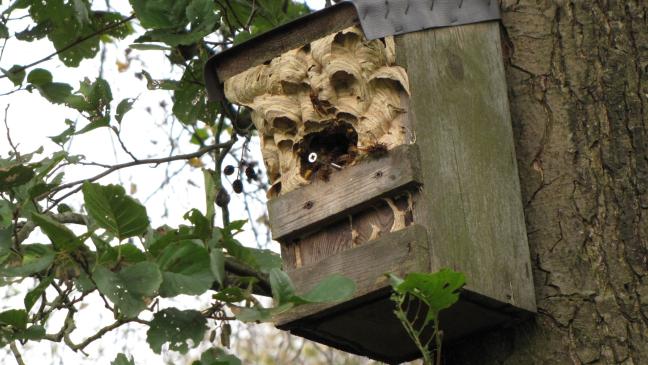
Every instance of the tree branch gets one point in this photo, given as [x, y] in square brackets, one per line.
[67, 217]
[73, 44]
[149, 161]
[16, 353]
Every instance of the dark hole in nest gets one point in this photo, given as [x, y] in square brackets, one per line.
[335, 144]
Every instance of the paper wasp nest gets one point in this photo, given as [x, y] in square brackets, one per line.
[338, 97]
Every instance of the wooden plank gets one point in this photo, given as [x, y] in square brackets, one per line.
[472, 202]
[399, 252]
[297, 33]
[348, 191]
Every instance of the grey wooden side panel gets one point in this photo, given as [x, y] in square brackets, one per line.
[460, 115]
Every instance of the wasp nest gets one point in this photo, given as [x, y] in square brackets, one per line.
[326, 104]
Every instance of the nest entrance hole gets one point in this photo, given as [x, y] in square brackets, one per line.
[334, 147]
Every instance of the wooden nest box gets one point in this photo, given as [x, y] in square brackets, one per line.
[393, 154]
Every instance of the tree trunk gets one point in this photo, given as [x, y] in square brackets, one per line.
[578, 87]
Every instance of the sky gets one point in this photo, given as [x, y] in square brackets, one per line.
[31, 120]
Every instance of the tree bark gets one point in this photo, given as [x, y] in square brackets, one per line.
[578, 86]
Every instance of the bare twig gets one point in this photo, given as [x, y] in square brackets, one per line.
[154, 161]
[67, 217]
[16, 353]
[14, 147]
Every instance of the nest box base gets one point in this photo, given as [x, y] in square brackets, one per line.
[367, 327]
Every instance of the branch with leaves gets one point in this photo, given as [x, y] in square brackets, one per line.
[106, 245]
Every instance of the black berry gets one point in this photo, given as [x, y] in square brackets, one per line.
[229, 169]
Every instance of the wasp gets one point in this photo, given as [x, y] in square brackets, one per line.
[375, 150]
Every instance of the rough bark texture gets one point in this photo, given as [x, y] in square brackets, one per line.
[578, 85]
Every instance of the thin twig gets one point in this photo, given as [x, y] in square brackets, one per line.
[16, 353]
[14, 147]
[154, 161]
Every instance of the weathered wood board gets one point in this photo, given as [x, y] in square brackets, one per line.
[471, 198]
[347, 191]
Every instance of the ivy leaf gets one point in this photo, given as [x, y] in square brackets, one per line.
[62, 237]
[114, 211]
[186, 269]
[35, 258]
[438, 290]
[121, 359]
[129, 288]
[180, 329]
[32, 296]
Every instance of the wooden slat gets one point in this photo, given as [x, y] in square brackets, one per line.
[398, 252]
[471, 202]
[347, 191]
[295, 34]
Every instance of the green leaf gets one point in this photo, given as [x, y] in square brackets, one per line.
[186, 269]
[121, 359]
[190, 102]
[149, 47]
[180, 329]
[333, 288]
[15, 176]
[282, 287]
[230, 295]
[62, 237]
[123, 107]
[34, 33]
[33, 295]
[438, 290]
[55, 92]
[39, 76]
[6, 214]
[16, 74]
[261, 314]
[216, 356]
[201, 16]
[35, 258]
[114, 211]
[33, 333]
[59, 20]
[129, 288]
[202, 226]
[4, 31]
[16, 318]
[265, 260]
[217, 265]
[160, 13]
[82, 11]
